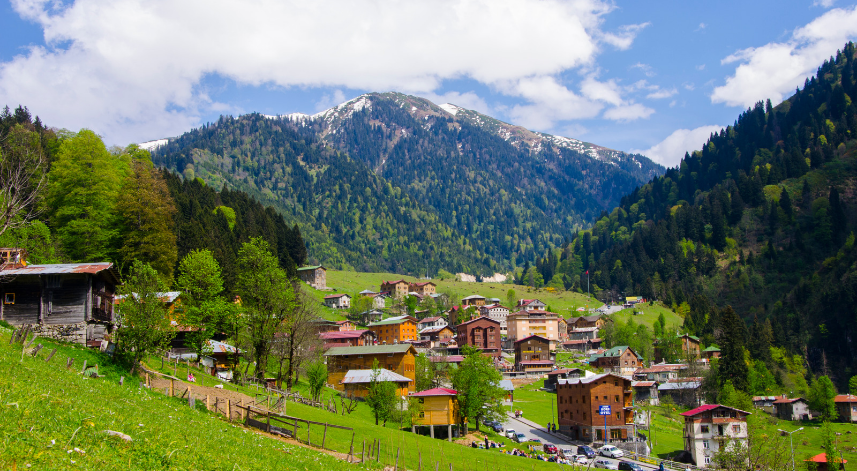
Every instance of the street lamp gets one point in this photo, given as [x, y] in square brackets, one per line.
[791, 444]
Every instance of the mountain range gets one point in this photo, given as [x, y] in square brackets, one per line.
[393, 182]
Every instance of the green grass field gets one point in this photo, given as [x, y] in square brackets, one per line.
[649, 315]
[48, 410]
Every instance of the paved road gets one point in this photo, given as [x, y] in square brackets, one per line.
[532, 430]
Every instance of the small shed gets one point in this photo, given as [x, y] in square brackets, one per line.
[356, 382]
[820, 461]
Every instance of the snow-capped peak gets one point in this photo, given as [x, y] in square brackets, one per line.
[152, 145]
[450, 108]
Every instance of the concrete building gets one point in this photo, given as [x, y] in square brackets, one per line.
[522, 324]
[711, 428]
[587, 406]
[395, 330]
[499, 313]
[338, 301]
[482, 333]
[315, 276]
[792, 408]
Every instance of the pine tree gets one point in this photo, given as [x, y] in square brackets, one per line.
[732, 340]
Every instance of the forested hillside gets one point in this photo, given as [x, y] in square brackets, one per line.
[99, 204]
[390, 182]
[758, 219]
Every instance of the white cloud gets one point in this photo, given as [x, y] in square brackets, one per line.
[550, 101]
[701, 27]
[776, 69]
[823, 3]
[662, 93]
[645, 68]
[700, 67]
[607, 92]
[671, 150]
[329, 100]
[131, 70]
[628, 112]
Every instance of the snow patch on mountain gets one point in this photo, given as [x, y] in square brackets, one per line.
[152, 145]
[450, 108]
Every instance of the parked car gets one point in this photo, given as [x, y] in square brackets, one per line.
[581, 460]
[511, 433]
[605, 464]
[629, 466]
[498, 427]
[566, 451]
[520, 438]
[586, 451]
[536, 440]
[610, 451]
[549, 449]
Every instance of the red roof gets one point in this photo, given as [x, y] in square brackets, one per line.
[436, 392]
[562, 371]
[448, 359]
[845, 398]
[785, 400]
[642, 384]
[822, 458]
[429, 319]
[537, 362]
[480, 318]
[423, 284]
[342, 334]
[392, 282]
[707, 408]
[342, 322]
[532, 336]
[334, 296]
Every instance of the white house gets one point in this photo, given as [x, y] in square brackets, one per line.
[338, 301]
[710, 428]
[497, 312]
[429, 322]
[531, 305]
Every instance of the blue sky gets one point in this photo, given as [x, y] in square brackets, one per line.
[653, 77]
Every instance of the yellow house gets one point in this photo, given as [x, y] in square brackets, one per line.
[439, 407]
[399, 359]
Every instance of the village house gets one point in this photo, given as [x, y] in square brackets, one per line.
[437, 336]
[530, 305]
[315, 276]
[562, 329]
[682, 391]
[338, 301]
[473, 300]
[581, 402]
[347, 338]
[369, 317]
[619, 360]
[710, 428]
[395, 330]
[598, 321]
[764, 401]
[645, 392]
[581, 345]
[378, 299]
[399, 359]
[423, 289]
[522, 324]
[711, 352]
[846, 406]
[661, 372]
[397, 289]
[436, 321]
[438, 408]
[356, 383]
[583, 333]
[346, 325]
[690, 345]
[532, 355]
[220, 360]
[819, 462]
[497, 312]
[72, 301]
[792, 409]
[565, 373]
[482, 333]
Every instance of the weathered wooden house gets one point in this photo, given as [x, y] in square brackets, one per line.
[70, 301]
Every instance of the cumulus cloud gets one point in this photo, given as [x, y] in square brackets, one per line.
[662, 93]
[645, 68]
[549, 102]
[628, 112]
[132, 70]
[823, 3]
[671, 150]
[776, 69]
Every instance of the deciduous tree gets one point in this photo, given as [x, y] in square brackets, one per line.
[142, 316]
[200, 283]
[478, 386]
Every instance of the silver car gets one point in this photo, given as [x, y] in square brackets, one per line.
[606, 464]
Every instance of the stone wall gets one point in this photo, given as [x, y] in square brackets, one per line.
[75, 333]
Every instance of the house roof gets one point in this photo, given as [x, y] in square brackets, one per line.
[314, 267]
[679, 385]
[642, 384]
[507, 385]
[367, 291]
[423, 283]
[63, 269]
[432, 330]
[435, 392]
[365, 376]
[613, 352]
[764, 398]
[537, 362]
[392, 321]
[589, 379]
[220, 347]
[581, 342]
[343, 322]
[786, 400]
[472, 296]
[334, 296]
[393, 282]
[430, 319]
[712, 348]
[822, 458]
[344, 334]
[583, 329]
[370, 349]
[845, 398]
[447, 359]
[660, 368]
[532, 337]
[709, 407]
[480, 318]
[563, 371]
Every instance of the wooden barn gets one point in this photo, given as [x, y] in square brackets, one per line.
[70, 301]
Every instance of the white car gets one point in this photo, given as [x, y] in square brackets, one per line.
[606, 464]
[511, 433]
[581, 460]
[610, 451]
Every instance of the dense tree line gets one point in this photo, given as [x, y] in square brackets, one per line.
[750, 222]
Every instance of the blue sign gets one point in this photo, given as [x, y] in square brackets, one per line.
[603, 410]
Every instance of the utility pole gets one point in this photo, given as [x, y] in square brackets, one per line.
[791, 444]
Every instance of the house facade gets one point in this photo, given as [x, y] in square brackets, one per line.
[399, 359]
[371, 316]
[522, 324]
[530, 305]
[423, 289]
[315, 276]
[792, 408]
[482, 333]
[397, 288]
[645, 392]
[619, 360]
[497, 312]
[846, 406]
[348, 338]
[395, 330]
[473, 300]
[661, 372]
[711, 428]
[73, 302]
[588, 405]
[598, 321]
[583, 333]
[356, 382]
[338, 301]
[438, 408]
[436, 321]
[437, 336]
[565, 373]
[532, 354]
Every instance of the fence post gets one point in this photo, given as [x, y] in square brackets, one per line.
[172, 388]
[84, 366]
[351, 449]
[148, 384]
[207, 402]
[324, 436]
[269, 420]
[51, 355]
[307, 434]
[31, 341]
[396, 467]
[229, 410]
[363, 452]
[37, 350]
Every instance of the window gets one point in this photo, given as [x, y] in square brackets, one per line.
[705, 444]
[704, 429]
[618, 416]
[707, 460]
[422, 400]
[736, 429]
[422, 415]
[9, 298]
[617, 399]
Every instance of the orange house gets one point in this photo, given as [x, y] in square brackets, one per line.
[399, 359]
[395, 330]
[438, 406]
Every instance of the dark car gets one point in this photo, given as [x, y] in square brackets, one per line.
[630, 466]
[586, 451]
[549, 449]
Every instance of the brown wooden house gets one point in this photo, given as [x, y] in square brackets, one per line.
[532, 354]
[399, 358]
[482, 333]
[438, 407]
[72, 301]
[580, 400]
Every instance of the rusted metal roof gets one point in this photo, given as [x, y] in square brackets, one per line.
[62, 269]
[220, 347]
